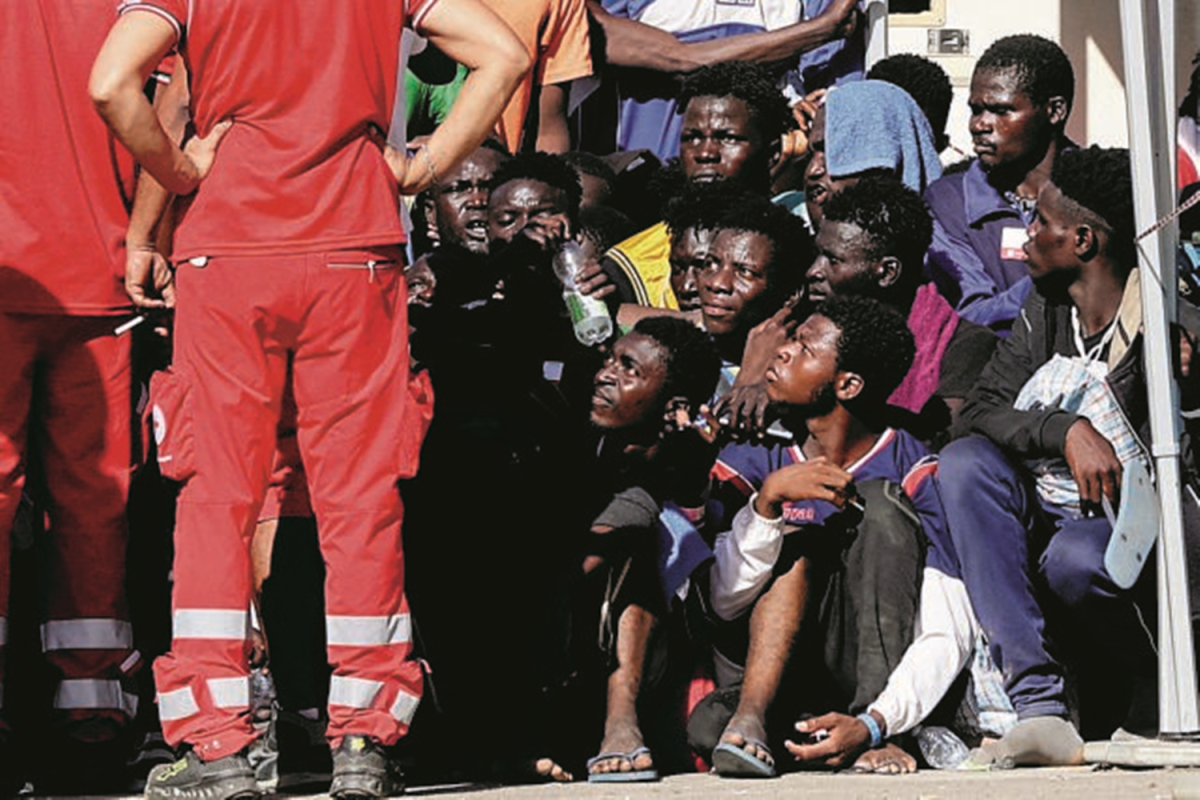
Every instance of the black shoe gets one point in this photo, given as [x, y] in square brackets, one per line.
[362, 770]
[304, 757]
[189, 778]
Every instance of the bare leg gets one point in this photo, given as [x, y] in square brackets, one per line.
[621, 731]
[774, 623]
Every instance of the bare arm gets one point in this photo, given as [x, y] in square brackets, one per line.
[135, 45]
[635, 44]
[553, 135]
[471, 34]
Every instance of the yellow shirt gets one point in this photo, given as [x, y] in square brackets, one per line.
[645, 260]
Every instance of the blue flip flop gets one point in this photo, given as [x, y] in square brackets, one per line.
[632, 776]
[732, 761]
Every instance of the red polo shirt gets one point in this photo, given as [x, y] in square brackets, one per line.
[303, 81]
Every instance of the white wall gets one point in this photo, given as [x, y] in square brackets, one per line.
[1088, 30]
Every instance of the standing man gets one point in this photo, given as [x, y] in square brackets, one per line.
[1021, 96]
[292, 247]
[65, 188]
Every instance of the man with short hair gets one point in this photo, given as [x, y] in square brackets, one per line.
[663, 367]
[1021, 94]
[1085, 312]
[872, 243]
[291, 246]
[732, 121]
[794, 549]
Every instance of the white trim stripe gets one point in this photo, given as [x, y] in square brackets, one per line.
[210, 623]
[135, 6]
[230, 692]
[86, 634]
[177, 704]
[94, 693]
[418, 19]
[368, 631]
[353, 692]
[405, 707]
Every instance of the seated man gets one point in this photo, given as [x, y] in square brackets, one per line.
[872, 243]
[663, 365]
[1020, 99]
[1013, 534]
[797, 553]
[732, 121]
[754, 264]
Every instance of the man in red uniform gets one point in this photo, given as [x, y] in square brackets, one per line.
[64, 375]
[292, 246]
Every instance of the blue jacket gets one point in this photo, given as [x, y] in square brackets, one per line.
[969, 218]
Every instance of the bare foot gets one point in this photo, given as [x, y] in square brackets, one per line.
[886, 760]
[621, 740]
[548, 768]
[747, 732]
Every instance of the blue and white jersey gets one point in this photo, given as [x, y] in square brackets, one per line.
[897, 456]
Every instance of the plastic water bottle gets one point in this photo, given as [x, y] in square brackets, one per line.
[589, 315]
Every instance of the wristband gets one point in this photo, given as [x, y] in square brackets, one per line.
[872, 727]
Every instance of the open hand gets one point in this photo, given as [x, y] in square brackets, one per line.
[202, 150]
[834, 740]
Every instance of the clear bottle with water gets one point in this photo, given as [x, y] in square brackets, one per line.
[590, 316]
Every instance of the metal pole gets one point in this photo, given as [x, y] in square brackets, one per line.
[1147, 31]
[877, 31]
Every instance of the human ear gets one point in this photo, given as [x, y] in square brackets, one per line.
[1087, 242]
[1056, 110]
[888, 269]
[848, 385]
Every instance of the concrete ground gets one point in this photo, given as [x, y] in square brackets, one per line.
[1080, 783]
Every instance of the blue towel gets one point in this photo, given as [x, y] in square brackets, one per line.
[873, 124]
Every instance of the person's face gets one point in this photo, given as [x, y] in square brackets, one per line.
[804, 371]
[1007, 127]
[460, 201]
[517, 203]
[1050, 248]
[819, 185]
[688, 252]
[721, 141]
[734, 282]
[628, 389]
[842, 266]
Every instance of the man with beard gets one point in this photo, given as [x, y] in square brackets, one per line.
[1014, 533]
[1021, 95]
[826, 530]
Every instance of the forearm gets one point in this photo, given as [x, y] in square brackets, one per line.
[468, 32]
[634, 44]
[553, 135]
[151, 199]
[136, 44]
[945, 636]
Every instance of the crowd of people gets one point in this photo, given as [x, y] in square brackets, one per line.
[784, 434]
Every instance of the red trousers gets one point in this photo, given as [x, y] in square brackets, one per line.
[65, 393]
[343, 317]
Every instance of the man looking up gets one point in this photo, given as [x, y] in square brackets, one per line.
[872, 243]
[787, 554]
[291, 246]
[1021, 94]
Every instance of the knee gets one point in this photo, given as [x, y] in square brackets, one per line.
[1073, 570]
